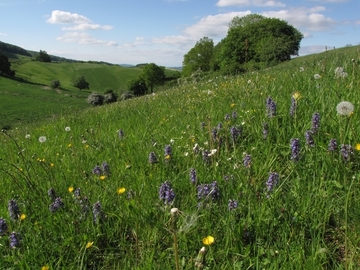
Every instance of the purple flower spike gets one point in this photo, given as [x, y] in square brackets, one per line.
[295, 149]
[270, 107]
[13, 209]
[332, 145]
[315, 122]
[166, 193]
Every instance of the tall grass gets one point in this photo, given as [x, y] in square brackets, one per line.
[308, 219]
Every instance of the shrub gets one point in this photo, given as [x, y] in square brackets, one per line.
[95, 99]
[110, 96]
[127, 95]
[55, 84]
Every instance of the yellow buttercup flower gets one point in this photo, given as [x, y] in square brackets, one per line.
[89, 244]
[102, 177]
[121, 190]
[357, 146]
[70, 189]
[22, 217]
[232, 105]
[208, 240]
[45, 267]
[296, 95]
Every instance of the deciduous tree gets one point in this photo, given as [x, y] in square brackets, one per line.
[80, 83]
[5, 65]
[153, 75]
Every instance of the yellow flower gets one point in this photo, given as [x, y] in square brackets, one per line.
[357, 146]
[296, 95]
[69, 145]
[121, 190]
[45, 267]
[89, 244]
[70, 189]
[167, 157]
[232, 105]
[22, 217]
[52, 165]
[208, 240]
[86, 146]
[102, 177]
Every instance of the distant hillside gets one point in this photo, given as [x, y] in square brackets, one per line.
[10, 50]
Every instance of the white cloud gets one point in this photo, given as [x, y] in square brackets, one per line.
[306, 19]
[87, 26]
[63, 17]
[258, 3]
[84, 38]
[330, 1]
[3, 34]
[174, 40]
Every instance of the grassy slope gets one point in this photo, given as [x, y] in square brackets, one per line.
[308, 221]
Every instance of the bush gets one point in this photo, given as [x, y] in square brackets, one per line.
[127, 95]
[95, 99]
[110, 96]
[55, 84]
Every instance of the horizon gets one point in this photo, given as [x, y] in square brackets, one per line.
[163, 31]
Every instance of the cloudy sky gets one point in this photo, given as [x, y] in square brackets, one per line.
[162, 31]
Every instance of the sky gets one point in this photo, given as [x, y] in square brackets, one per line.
[163, 31]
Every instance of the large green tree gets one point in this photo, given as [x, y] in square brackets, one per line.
[153, 75]
[43, 57]
[199, 57]
[256, 39]
[5, 65]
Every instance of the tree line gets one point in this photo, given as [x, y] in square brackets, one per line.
[252, 42]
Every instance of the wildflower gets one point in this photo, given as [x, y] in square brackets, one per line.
[70, 189]
[67, 129]
[247, 161]
[270, 107]
[272, 181]
[346, 150]
[339, 72]
[296, 95]
[232, 105]
[214, 134]
[102, 177]
[166, 193]
[45, 267]
[357, 146]
[121, 190]
[200, 259]
[212, 152]
[196, 148]
[152, 158]
[293, 106]
[27, 136]
[42, 139]
[98, 214]
[234, 114]
[309, 139]
[233, 204]
[317, 76]
[227, 117]
[13, 209]
[3, 226]
[206, 156]
[345, 108]
[219, 126]
[77, 193]
[192, 175]
[52, 194]
[121, 133]
[97, 170]
[235, 133]
[315, 122]
[265, 130]
[106, 168]
[56, 205]
[208, 240]
[295, 148]
[85, 207]
[332, 145]
[168, 151]
[22, 217]
[301, 69]
[14, 240]
[89, 245]
[207, 191]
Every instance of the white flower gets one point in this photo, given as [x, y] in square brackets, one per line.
[345, 108]
[212, 152]
[42, 139]
[172, 141]
[186, 154]
[301, 69]
[317, 76]
[67, 128]
[27, 136]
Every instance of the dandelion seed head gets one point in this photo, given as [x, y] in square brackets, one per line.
[345, 108]
[42, 139]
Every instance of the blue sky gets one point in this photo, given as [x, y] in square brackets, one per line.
[162, 31]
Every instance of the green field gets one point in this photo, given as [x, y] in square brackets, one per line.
[290, 207]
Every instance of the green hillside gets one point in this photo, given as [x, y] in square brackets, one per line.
[255, 171]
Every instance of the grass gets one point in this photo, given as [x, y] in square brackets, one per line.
[308, 220]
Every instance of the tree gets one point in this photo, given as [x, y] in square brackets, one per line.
[199, 57]
[43, 57]
[55, 84]
[153, 75]
[137, 87]
[259, 40]
[5, 65]
[110, 96]
[80, 83]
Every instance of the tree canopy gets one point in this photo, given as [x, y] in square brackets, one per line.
[5, 65]
[43, 57]
[252, 41]
[80, 83]
[199, 57]
[153, 75]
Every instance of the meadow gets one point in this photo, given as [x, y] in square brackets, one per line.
[255, 171]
